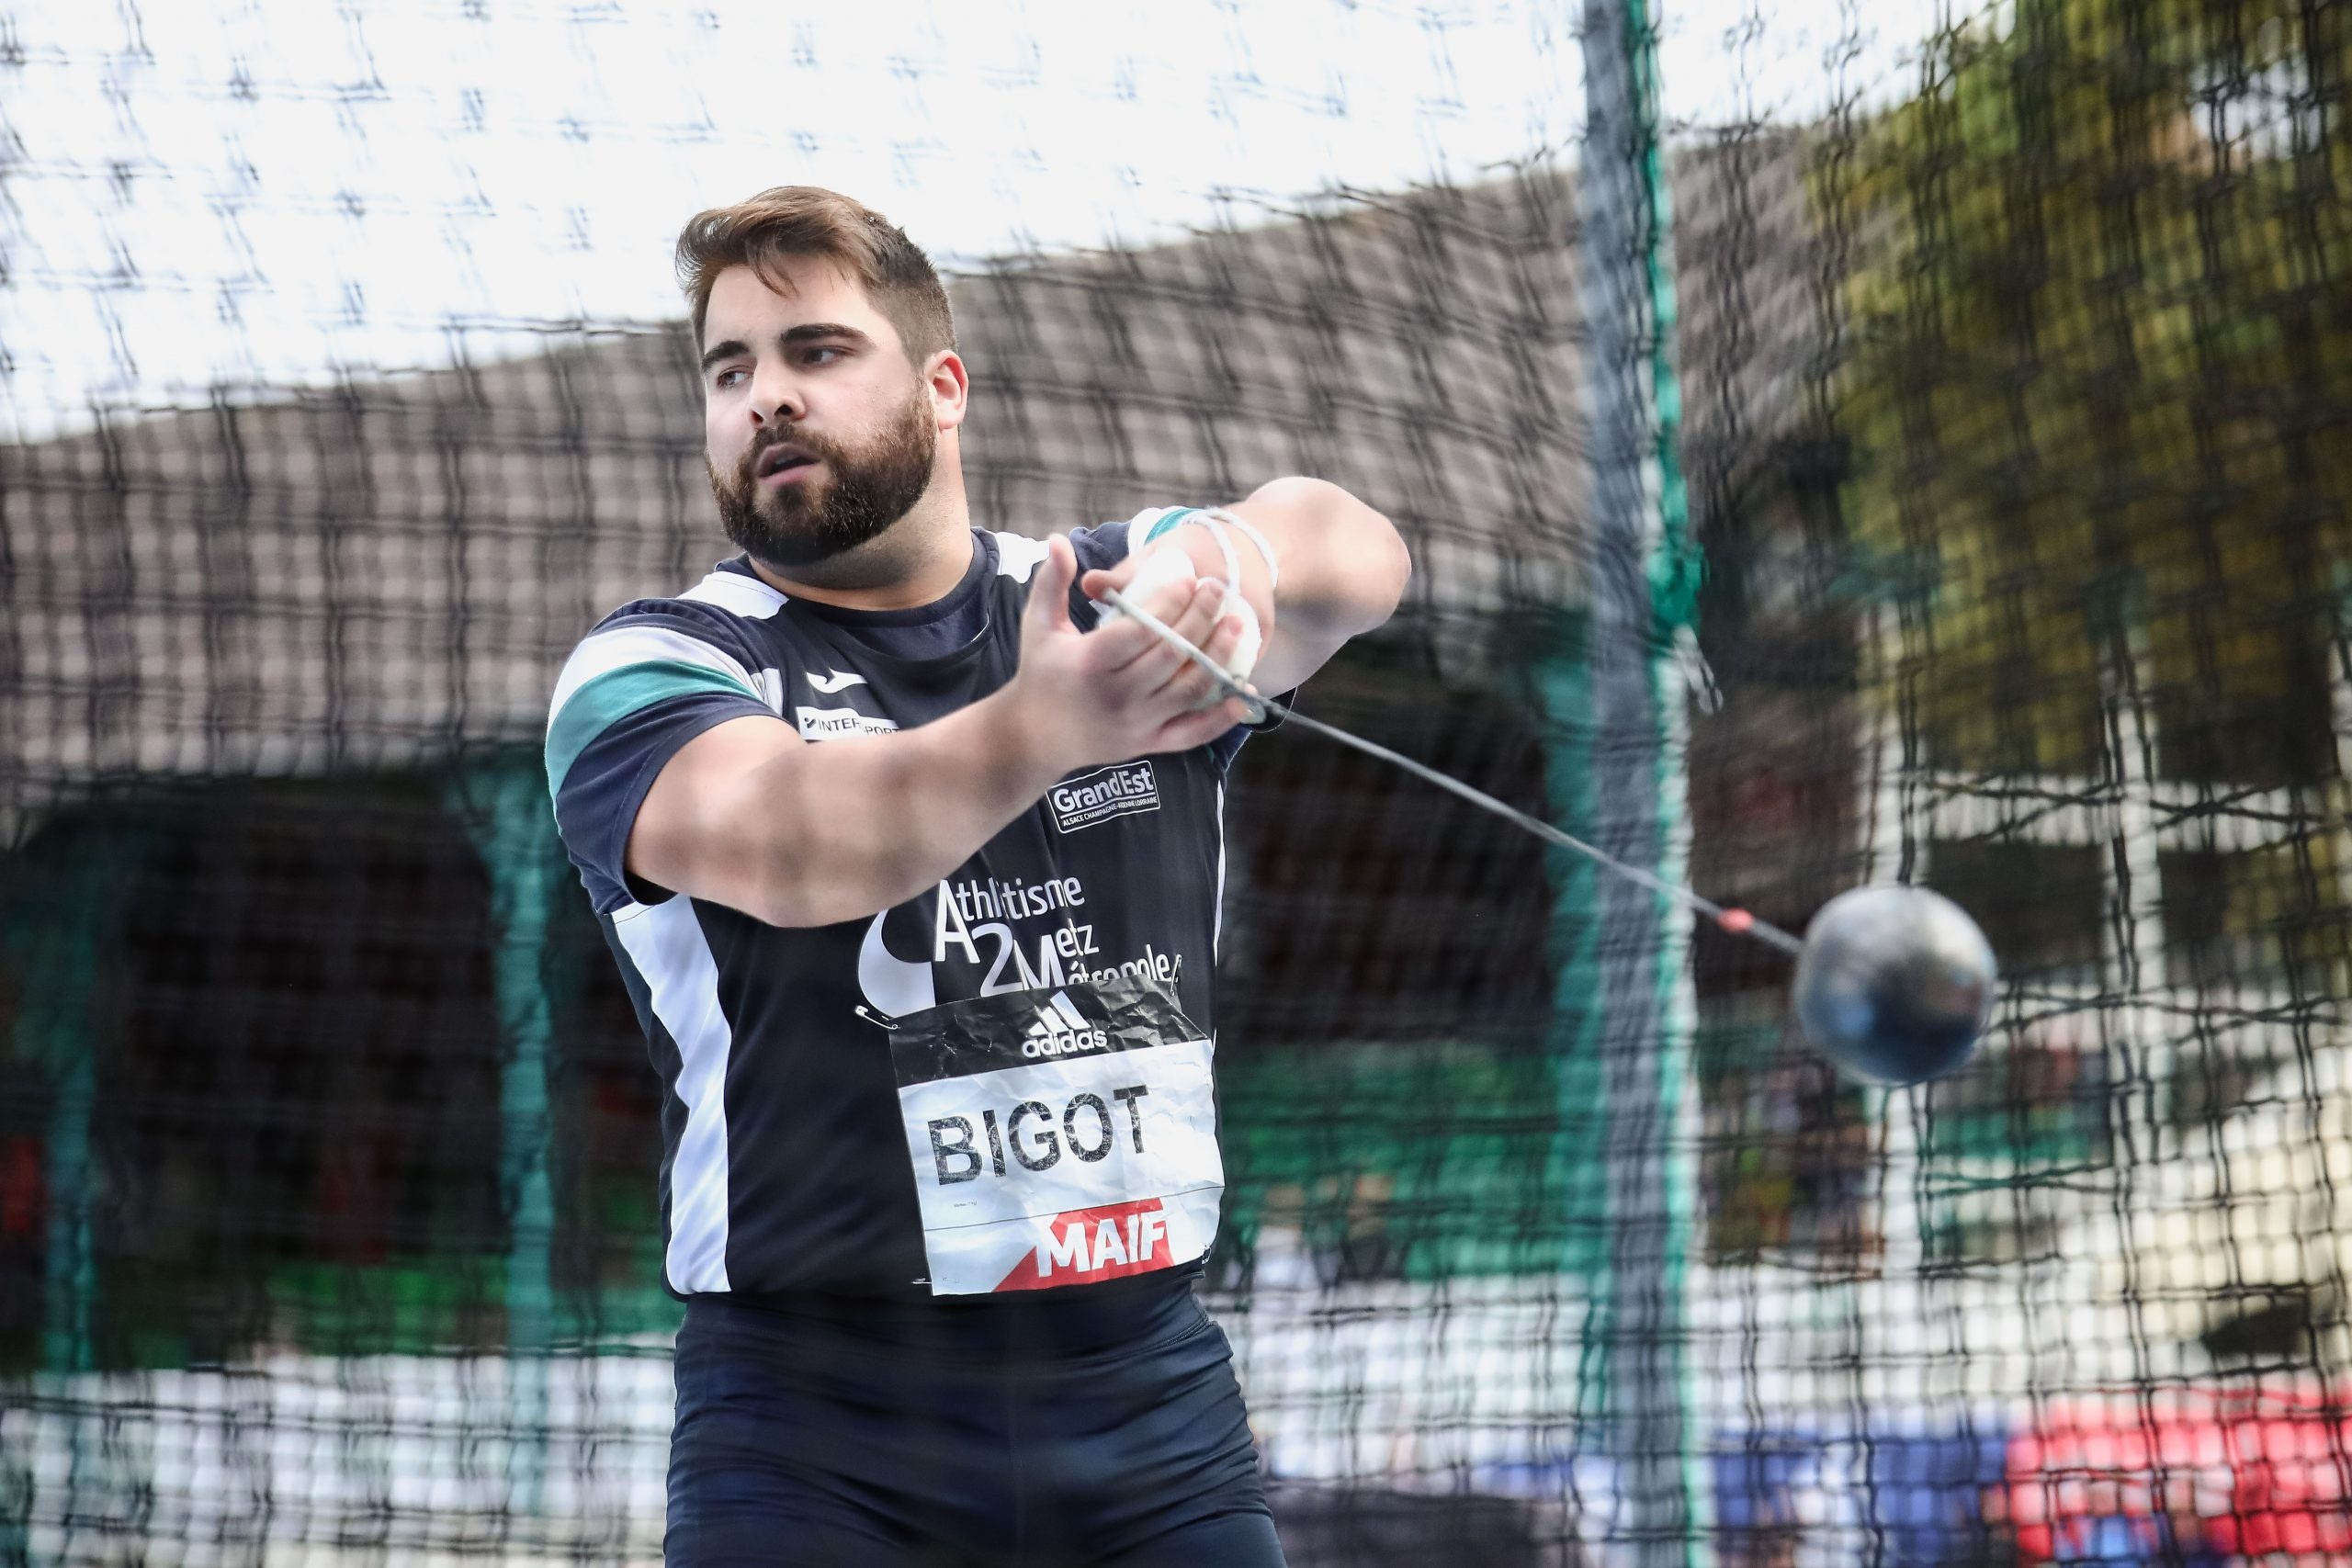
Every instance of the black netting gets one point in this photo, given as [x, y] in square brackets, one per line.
[2001, 384]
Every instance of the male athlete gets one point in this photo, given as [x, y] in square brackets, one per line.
[910, 857]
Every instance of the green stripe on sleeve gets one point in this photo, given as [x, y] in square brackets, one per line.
[616, 694]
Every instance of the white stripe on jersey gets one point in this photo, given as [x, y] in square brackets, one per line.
[600, 653]
[1017, 554]
[1216, 916]
[735, 592]
[666, 943]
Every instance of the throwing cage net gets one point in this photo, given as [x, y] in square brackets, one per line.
[1829, 457]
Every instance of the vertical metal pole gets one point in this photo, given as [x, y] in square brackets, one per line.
[504, 806]
[1644, 580]
[60, 1008]
[79, 884]
[61, 945]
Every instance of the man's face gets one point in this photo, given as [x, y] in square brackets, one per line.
[818, 433]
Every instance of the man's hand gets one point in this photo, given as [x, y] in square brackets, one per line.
[1195, 548]
[1084, 698]
[1343, 569]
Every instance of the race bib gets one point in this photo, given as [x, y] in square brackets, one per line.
[1059, 1136]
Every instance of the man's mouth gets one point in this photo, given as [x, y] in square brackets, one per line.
[779, 464]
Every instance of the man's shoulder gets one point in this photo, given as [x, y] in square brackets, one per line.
[730, 612]
[714, 636]
[728, 601]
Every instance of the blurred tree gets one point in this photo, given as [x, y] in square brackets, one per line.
[2100, 380]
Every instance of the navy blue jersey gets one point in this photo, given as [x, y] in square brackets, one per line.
[786, 1163]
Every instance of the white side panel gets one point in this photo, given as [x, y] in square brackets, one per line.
[666, 943]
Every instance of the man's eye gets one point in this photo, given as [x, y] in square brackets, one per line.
[826, 348]
[725, 377]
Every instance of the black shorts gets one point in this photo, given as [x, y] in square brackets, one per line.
[1097, 1427]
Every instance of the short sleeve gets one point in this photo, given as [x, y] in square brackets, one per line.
[635, 691]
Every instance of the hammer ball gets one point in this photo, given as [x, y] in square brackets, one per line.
[1895, 985]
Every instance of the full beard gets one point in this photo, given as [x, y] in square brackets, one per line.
[798, 526]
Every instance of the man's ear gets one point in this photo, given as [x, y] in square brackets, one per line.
[950, 384]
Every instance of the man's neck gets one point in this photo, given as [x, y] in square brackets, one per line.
[916, 560]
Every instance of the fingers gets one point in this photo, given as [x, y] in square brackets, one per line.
[1190, 610]
[1102, 580]
[1048, 607]
[1193, 685]
[1196, 622]
[1187, 730]
[1155, 683]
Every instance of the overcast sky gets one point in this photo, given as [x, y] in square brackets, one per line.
[265, 191]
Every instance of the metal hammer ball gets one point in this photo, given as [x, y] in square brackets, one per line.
[1894, 984]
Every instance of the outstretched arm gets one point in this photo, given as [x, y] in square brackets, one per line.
[801, 834]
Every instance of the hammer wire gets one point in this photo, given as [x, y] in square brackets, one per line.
[1736, 921]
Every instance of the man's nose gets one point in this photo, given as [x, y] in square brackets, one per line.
[776, 396]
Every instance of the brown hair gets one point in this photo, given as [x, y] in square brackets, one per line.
[789, 222]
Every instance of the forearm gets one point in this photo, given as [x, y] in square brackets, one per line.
[806, 833]
[1342, 570]
[1343, 565]
[843, 829]
[1338, 567]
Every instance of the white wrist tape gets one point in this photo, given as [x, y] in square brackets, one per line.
[1164, 561]
[1166, 520]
